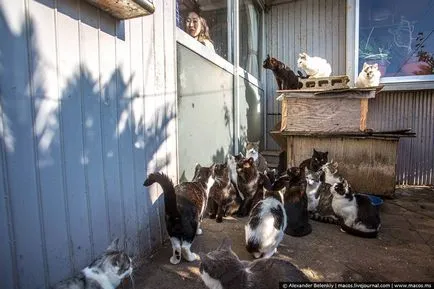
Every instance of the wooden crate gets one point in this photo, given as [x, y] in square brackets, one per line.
[343, 110]
[368, 163]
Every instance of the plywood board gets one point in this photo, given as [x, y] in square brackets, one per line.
[368, 164]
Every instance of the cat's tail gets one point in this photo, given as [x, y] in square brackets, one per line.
[324, 219]
[168, 190]
[358, 233]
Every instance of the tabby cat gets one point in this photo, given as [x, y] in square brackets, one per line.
[105, 272]
[319, 198]
[223, 198]
[331, 175]
[247, 179]
[185, 205]
[285, 77]
[222, 269]
[359, 216]
[252, 151]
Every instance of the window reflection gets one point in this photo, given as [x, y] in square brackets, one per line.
[398, 35]
[207, 22]
[250, 24]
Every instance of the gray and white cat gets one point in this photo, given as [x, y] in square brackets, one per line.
[315, 66]
[222, 269]
[319, 198]
[267, 222]
[331, 174]
[105, 272]
[359, 216]
[185, 205]
[252, 151]
[369, 76]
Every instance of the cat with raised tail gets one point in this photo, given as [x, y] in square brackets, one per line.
[105, 272]
[267, 221]
[222, 269]
[315, 66]
[369, 76]
[185, 205]
[359, 216]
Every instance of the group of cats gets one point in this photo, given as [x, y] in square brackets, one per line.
[316, 67]
[276, 202]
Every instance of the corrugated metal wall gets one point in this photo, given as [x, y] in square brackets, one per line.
[86, 111]
[312, 26]
[408, 109]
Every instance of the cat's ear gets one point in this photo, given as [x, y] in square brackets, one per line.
[375, 66]
[114, 246]
[314, 151]
[257, 143]
[326, 153]
[197, 167]
[306, 170]
[365, 65]
[226, 244]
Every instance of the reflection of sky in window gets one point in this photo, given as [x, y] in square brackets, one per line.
[394, 26]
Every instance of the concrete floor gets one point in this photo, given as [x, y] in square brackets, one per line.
[402, 252]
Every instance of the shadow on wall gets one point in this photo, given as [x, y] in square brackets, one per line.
[74, 151]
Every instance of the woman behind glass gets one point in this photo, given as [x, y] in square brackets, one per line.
[196, 26]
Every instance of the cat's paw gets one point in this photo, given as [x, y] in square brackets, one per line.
[192, 257]
[175, 260]
[199, 231]
[219, 219]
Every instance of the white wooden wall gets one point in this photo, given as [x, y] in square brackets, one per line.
[317, 27]
[87, 110]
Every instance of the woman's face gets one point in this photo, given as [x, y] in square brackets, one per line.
[192, 24]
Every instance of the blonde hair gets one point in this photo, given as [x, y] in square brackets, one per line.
[204, 29]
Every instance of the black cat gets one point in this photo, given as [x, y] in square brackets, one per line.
[285, 77]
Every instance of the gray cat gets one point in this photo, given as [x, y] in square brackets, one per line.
[319, 198]
[223, 269]
[106, 272]
[252, 151]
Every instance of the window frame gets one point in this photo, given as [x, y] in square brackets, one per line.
[352, 52]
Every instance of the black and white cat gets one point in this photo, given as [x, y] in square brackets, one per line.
[319, 198]
[359, 216]
[105, 272]
[222, 269]
[185, 205]
[267, 222]
[314, 163]
[223, 198]
[252, 151]
[232, 162]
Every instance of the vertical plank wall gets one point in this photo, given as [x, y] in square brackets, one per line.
[87, 110]
[311, 26]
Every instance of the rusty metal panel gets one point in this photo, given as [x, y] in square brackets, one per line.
[316, 27]
[408, 109]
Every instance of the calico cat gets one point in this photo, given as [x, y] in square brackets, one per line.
[267, 222]
[285, 77]
[105, 272]
[247, 179]
[222, 269]
[252, 151]
[359, 216]
[185, 205]
[315, 66]
[295, 204]
[319, 198]
[315, 163]
[369, 76]
[223, 198]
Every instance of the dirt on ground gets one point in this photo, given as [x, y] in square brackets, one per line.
[403, 250]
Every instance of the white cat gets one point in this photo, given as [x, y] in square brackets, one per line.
[315, 66]
[369, 76]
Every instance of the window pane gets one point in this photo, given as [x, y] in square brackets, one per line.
[250, 36]
[398, 35]
[207, 21]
